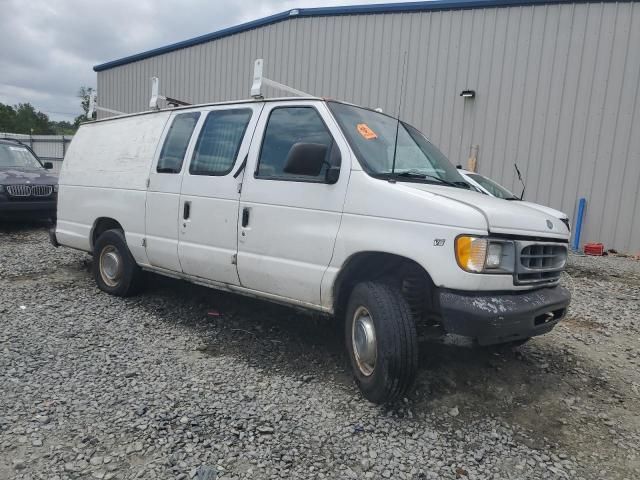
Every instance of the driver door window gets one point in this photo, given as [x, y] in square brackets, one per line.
[286, 127]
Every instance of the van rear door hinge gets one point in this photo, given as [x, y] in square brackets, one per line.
[148, 182]
[234, 259]
[240, 187]
[144, 242]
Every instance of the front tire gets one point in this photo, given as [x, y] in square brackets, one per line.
[381, 341]
[114, 268]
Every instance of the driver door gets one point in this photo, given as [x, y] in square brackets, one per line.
[288, 222]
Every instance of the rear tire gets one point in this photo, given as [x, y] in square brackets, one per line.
[114, 268]
[381, 341]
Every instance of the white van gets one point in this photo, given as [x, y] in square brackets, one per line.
[317, 204]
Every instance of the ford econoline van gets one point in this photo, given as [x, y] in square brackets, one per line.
[316, 204]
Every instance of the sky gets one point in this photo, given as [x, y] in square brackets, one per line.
[48, 48]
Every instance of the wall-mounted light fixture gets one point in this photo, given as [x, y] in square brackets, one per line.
[468, 94]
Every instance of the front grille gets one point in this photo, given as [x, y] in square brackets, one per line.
[41, 190]
[540, 263]
[29, 190]
[19, 190]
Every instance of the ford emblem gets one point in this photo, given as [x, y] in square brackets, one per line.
[550, 224]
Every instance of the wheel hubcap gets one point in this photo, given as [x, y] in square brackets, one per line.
[110, 265]
[363, 338]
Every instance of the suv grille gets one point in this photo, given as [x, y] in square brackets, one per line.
[29, 190]
[540, 263]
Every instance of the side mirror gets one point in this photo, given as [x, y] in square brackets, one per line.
[48, 165]
[306, 159]
[333, 174]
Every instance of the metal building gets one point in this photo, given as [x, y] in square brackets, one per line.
[556, 87]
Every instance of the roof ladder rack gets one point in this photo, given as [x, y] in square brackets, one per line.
[155, 96]
[93, 98]
[153, 102]
[259, 80]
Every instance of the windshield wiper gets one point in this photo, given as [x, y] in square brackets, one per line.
[416, 174]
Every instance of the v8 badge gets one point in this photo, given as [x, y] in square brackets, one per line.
[438, 242]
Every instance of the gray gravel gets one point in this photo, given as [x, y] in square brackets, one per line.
[183, 382]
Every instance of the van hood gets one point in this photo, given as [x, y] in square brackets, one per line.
[544, 209]
[13, 176]
[505, 217]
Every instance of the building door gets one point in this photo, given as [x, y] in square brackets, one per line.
[208, 226]
[289, 222]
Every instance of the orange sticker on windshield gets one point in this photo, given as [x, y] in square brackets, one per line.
[366, 132]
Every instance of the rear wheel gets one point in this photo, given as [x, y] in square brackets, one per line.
[381, 341]
[114, 268]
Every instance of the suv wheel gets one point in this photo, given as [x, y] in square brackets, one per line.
[114, 268]
[381, 341]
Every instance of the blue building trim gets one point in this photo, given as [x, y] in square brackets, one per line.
[428, 6]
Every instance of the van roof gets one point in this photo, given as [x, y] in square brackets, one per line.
[210, 104]
[238, 102]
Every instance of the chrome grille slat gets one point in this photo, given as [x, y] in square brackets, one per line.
[29, 190]
[540, 263]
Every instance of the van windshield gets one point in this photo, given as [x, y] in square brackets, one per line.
[17, 156]
[372, 136]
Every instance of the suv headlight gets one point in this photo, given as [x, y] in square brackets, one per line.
[485, 255]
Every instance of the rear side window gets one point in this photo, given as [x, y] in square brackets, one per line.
[286, 127]
[176, 142]
[219, 142]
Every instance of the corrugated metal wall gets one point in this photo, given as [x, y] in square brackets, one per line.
[557, 90]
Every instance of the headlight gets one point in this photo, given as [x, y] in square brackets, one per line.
[494, 255]
[478, 254]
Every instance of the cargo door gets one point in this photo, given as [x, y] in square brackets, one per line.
[163, 192]
[210, 194]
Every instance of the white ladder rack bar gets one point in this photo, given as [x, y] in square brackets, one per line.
[155, 96]
[259, 80]
[93, 107]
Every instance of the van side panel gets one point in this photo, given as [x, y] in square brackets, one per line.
[104, 174]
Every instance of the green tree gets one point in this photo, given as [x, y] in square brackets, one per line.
[84, 94]
[7, 118]
[29, 120]
[23, 118]
[63, 127]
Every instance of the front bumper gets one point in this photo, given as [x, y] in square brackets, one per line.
[28, 209]
[492, 318]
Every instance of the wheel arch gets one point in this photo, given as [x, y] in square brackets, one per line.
[101, 225]
[412, 277]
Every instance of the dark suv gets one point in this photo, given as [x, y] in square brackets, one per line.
[27, 189]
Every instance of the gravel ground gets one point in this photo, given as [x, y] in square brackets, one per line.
[181, 382]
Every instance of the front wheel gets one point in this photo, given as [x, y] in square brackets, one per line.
[381, 341]
[114, 268]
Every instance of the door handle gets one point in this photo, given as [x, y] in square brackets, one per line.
[186, 212]
[245, 216]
